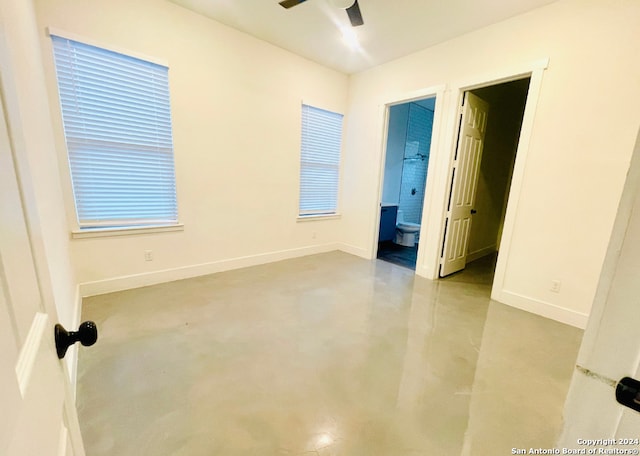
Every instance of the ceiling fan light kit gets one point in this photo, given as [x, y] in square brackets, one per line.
[350, 38]
[351, 6]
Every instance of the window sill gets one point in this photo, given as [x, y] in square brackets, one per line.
[128, 231]
[310, 218]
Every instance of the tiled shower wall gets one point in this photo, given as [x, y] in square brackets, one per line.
[414, 170]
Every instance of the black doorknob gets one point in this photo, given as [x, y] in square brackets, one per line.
[87, 334]
[628, 393]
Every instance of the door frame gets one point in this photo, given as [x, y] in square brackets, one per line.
[443, 147]
[438, 92]
[533, 70]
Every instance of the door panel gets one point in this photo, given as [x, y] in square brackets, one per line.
[17, 266]
[33, 385]
[38, 426]
[466, 169]
[34, 388]
[9, 394]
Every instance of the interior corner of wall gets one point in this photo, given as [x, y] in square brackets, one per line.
[357, 251]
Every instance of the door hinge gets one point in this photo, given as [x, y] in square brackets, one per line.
[444, 237]
[463, 104]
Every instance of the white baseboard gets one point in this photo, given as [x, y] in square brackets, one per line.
[544, 309]
[473, 256]
[168, 275]
[353, 250]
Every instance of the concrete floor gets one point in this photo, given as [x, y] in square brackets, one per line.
[321, 356]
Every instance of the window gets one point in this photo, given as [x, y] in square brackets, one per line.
[117, 126]
[320, 161]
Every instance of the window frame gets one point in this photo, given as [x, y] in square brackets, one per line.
[117, 228]
[336, 164]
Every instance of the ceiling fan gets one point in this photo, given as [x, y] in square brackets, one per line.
[353, 10]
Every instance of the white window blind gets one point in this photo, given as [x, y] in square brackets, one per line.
[117, 124]
[320, 161]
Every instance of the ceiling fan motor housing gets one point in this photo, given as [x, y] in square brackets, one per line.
[344, 4]
[351, 6]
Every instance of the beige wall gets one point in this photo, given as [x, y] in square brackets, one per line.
[236, 126]
[579, 149]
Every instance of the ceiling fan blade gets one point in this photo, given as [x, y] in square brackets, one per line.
[355, 16]
[290, 3]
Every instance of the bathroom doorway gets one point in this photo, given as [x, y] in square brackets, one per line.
[408, 147]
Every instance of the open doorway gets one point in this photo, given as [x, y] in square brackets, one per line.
[488, 139]
[408, 147]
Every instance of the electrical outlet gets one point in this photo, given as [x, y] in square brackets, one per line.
[313, 235]
[148, 255]
[555, 286]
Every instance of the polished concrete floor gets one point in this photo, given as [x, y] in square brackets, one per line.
[324, 355]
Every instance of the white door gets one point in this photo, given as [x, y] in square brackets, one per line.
[611, 344]
[466, 168]
[37, 415]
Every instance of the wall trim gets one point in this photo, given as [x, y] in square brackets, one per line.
[357, 251]
[518, 175]
[473, 256]
[185, 272]
[542, 308]
[90, 41]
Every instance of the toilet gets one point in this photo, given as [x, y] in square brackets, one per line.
[406, 232]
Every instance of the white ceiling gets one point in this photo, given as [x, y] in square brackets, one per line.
[392, 28]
